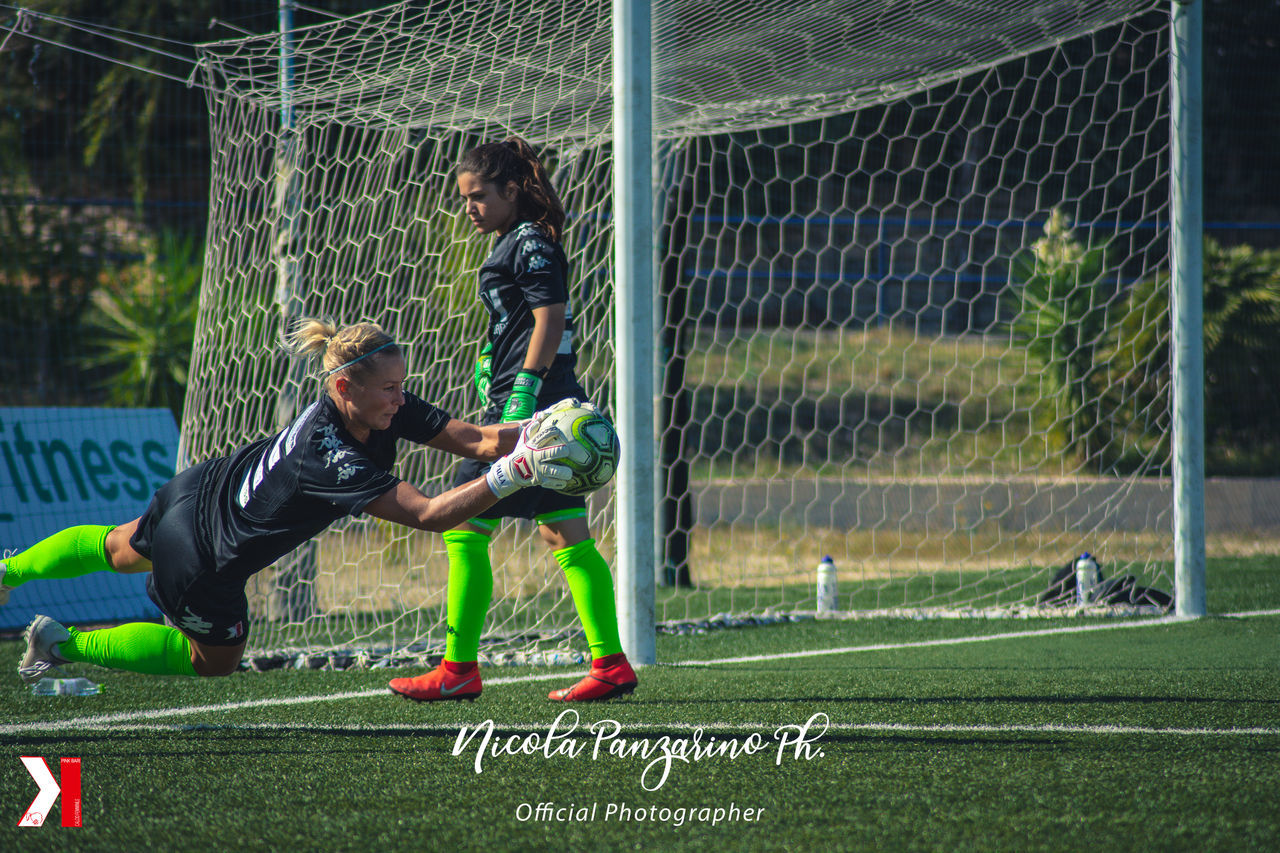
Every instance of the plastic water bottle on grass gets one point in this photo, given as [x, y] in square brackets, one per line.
[65, 687]
[828, 594]
[1088, 578]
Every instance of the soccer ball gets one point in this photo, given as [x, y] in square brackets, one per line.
[593, 442]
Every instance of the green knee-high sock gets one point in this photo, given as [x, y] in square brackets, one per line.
[592, 589]
[69, 553]
[470, 588]
[136, 646]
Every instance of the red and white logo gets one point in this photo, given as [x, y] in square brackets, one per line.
[49, 791]
[523, 468]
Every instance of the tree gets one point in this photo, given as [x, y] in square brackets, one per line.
[1241, 357]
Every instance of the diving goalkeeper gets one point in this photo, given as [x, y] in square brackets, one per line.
[216, 524]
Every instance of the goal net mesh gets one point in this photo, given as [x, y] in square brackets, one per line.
[912, 295]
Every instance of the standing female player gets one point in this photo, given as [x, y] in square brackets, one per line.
[216, 524]
[527, 361]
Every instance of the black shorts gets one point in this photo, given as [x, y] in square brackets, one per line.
[534, 501]
[184, 582]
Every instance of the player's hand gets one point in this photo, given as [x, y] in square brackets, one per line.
[541, 429]
[535, 424]
[527, 466]
[567, 403]
[559, 406]
[484, 373]
[524, 397]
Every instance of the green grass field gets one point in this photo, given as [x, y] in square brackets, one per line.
[923, 735]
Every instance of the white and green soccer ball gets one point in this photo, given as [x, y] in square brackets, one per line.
[593, 443]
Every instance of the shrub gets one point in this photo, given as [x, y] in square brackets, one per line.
[1241, 357]
[1061, 311]
[50, 261]
[142, 324]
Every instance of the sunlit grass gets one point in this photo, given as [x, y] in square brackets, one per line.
[888, 401]
[966, 371]
[382, 588]
[930, 734]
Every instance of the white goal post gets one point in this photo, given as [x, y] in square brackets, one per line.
[910, 275]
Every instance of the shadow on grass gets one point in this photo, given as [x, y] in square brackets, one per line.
[1051, 699]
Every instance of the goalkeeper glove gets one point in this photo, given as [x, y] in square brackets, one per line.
[559, 406]
[484, 372]
[527, 466]
[535, 422]
[524, 397]
[567, 403]
[534, 425]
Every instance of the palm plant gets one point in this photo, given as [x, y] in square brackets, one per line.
[142, 324]
[1060, 314]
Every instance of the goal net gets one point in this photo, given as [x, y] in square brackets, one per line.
[912, 294]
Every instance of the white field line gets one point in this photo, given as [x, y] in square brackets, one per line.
[588, 728]
[133, 718]
[947, 641]
[953, 641]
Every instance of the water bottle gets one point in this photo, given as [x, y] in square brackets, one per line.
[827, 593]
[1087, 578]
[65, 687]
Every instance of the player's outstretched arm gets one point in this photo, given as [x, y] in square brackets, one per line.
[406, 505]
[486, 443]
[524, 466]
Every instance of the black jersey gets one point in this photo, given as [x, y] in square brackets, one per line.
[269, 497]
[525, 270]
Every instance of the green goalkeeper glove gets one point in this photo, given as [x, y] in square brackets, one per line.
[523, 401]
[484, 373]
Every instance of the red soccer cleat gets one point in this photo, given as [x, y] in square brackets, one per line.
[439, 685]
[603, 682]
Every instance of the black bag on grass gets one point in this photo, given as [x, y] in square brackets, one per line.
[1122, 590]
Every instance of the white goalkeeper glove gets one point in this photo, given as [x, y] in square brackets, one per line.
[527, 466]
[535, 420]
[566, 403]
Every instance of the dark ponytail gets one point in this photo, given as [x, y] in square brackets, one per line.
[514, 161]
